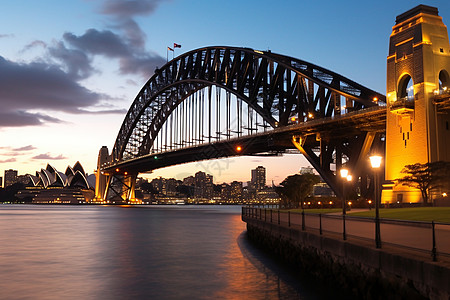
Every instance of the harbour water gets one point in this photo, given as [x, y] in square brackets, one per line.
[145, 252]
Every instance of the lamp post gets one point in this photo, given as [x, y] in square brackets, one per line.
[375, 162]
[344, 176]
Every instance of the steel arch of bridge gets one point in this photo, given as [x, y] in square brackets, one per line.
[275, 86]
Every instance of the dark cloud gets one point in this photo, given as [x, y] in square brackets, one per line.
[51, 83]
[104, 42]
[25, 148]
[76, 62]
[23, 118]
[144, 65]
[48, 156]
[41, 86]
[132, 59]
[129, 8]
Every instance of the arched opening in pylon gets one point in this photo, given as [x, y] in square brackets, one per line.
[444, 80]
[406, 88]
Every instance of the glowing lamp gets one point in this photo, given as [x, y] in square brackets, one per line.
[375, 161]
[349, 177]
[238, 148]
[344, 173]
[117, 170]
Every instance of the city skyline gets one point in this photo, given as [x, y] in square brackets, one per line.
[67, 84]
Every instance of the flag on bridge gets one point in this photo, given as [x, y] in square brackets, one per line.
[175, 45]
[170, 49]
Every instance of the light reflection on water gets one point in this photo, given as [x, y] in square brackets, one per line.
[147, 252]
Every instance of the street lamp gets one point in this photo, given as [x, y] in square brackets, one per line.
[375, 162]
[344, 176]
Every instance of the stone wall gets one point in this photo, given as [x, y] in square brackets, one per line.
[361, 272]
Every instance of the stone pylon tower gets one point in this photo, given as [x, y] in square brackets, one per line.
[418, 120]
[101, 179]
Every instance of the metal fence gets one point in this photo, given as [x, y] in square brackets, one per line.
[425, 237]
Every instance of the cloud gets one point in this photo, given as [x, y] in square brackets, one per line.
[93, 41]
[25, 148]
[6, 35]
[23, 118]
[76, 63]
[34, 44]
[48, 156]
[132, 57]
[41, 86]
[129, 8]
[30, 91]
[9, 160]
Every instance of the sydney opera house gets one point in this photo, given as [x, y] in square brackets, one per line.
[49, 185]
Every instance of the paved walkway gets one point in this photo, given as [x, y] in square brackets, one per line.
[412, 237]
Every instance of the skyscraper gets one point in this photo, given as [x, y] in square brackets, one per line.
[10, 177]
[259, 178]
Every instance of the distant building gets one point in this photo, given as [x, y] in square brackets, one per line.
[10, 177]
[51, 186]
[236, 191]
[190, 180]
[204, 187]
[322, 189]
[306, 170]
[259, 178]
[24, 179]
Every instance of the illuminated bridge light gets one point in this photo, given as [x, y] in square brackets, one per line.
[238, 148]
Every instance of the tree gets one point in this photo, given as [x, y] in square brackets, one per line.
[296, 188]
[425, 177]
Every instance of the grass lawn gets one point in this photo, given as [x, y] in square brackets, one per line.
[316, 210]
[437, 214]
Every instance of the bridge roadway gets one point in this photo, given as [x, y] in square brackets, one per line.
[270, 142]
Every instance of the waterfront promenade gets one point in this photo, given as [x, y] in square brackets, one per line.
[411, 259]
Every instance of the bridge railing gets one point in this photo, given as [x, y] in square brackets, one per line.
[430, 238]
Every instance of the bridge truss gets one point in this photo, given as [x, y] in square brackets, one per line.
[222, 96]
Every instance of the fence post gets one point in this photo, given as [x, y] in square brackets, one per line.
[279, 217]
[320, 224]
[303, 220]
[433, 250]
[289, 218]
[344, 234]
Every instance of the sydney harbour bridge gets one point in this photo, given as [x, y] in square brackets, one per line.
[218, 102]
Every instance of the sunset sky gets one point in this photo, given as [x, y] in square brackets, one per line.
[69, 70]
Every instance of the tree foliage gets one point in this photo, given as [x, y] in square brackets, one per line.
[296, 188]
[425, 177]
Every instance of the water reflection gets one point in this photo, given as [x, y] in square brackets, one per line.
[90, 252]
